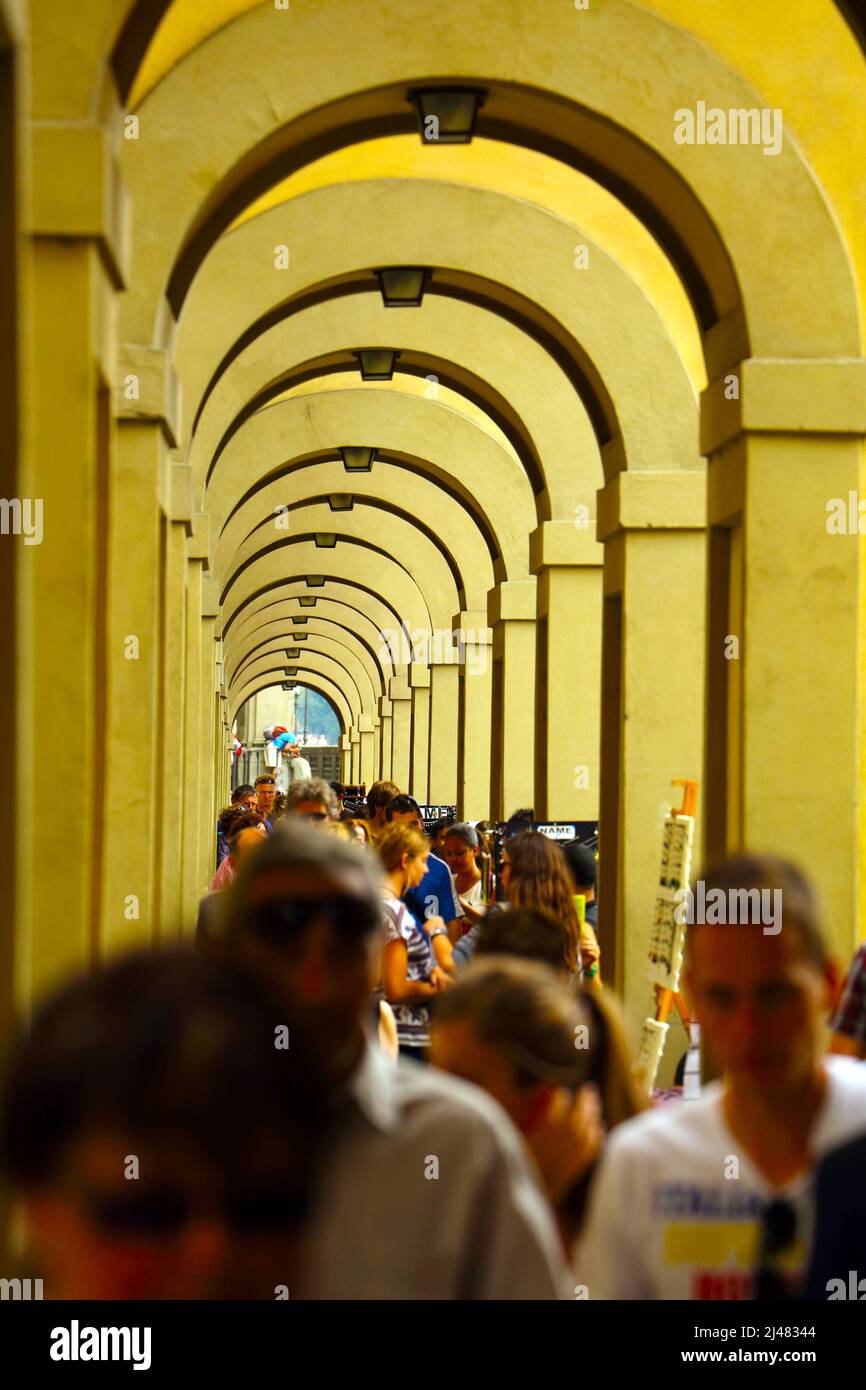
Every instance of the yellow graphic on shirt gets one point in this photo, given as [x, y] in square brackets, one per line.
[716, 1244]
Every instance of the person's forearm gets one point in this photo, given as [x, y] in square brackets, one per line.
[444, 953]
[410, 992]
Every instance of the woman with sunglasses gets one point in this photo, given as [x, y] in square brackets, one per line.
[410, 976]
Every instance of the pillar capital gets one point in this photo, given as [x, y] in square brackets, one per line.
[784, 396]
[78, 192]
[564, 543]
[471, 626]
[210, 597]
[345, 743]
[399, 689]
[368, 721]
[147, 388]
[672, 501]
[385, 707]
[513, 599]
[181, 506]
[199, 542]
[419, 675]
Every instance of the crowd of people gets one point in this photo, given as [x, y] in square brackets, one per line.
[369, 1076]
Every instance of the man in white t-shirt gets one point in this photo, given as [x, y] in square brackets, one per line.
[676, 1210]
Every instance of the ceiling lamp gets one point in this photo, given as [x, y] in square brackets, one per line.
[326, 540]
[307, 601]
[291, 670]
[403, 286]
[341, 501]
[357, 458]
[293, 653]
[298, 621]
[315, 581]
[376, 364]
[447, 115]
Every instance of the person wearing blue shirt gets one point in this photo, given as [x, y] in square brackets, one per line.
[436, 895]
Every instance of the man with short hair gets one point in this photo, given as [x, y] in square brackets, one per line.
[314, 800]
[677, 1208]
[307, 909]
[436, 894]
[377, 799]
[266, 795]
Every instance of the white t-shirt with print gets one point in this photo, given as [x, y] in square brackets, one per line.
[675, 1209]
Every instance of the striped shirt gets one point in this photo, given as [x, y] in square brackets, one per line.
[413, 1020]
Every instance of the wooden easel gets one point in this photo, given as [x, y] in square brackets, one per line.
[667, 996]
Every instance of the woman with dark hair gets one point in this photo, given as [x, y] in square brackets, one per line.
[534, 873]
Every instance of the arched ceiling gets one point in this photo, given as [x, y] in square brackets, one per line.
[271, 404]
[808, 65]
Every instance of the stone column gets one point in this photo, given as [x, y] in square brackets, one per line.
[146, 407]
[419, 678]
[367, 732]
[346, 760]
[511, 614]
[73, 271]
[567, 562]
[191, 788]
[783, 757]
[475, 673]
[652, 698]
[173, 705]
[400, 695]
[355, 738]
[444, 725]
[386, 739]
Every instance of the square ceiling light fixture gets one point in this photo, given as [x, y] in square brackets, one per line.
[300, 636]
[341, 501]
[357, 458]
[447, 115]
[403, 286]
[298, 621]
[325, 540]
[291, 670]
[288, 685]
[293, 653]
[376, 364]
[315, 581]
[307, 602]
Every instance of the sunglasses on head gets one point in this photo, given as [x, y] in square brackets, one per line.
[162, 1213]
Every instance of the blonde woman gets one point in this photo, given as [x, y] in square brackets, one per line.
[410, 976]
